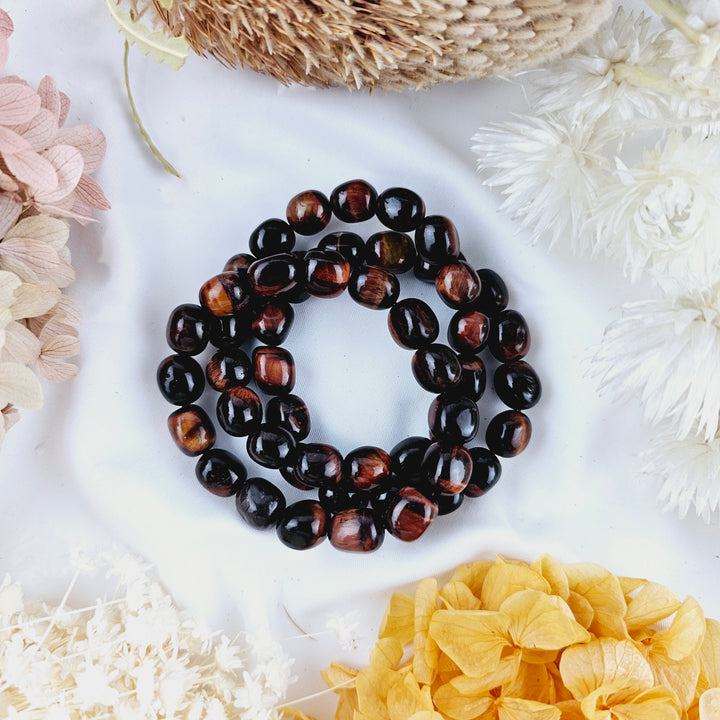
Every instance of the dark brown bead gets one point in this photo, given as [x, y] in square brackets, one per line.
[413, 324]
[271, 237]
[485, 473]
[447, 467]
[272, 322]
[292, 478]
[457, 284]
[493, 292]
[302, 525]
[365, 468]
[180, 379]
[409, 514]
[436, 240]
[308, 212]
[260, 503]
[270, 446]
[474, 378]
[436, 368]
[468, 330]
[192, 430]
[239, 263]
[188, 329]
[374, 287]
[406, 458]
[425, 270]
[508, 433]
[400, 209]
[448, 503]
[327, 273]
[453, 417]
[290, 412]
[231, 331]
[275, 275]
[509, 336]
[517, 385]
[274, 370]
[391, 250]
[318, 464]
[350, 245]
[356, 530]
[224, 294]
[220, 472]
[239, 411]
[354, 201]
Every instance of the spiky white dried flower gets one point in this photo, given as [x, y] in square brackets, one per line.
[345, 626]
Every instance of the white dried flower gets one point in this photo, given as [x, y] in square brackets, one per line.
[345, 626]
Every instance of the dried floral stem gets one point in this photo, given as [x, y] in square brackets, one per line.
[319, 693]
[676, 17]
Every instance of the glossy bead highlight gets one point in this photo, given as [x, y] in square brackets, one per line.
[192, 430]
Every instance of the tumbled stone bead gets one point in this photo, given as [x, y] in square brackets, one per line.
[275, 275]
[271, 237]
[327, 273]
[298, 294]
[270, 446]
[192, 430]
[188, 329]
[493, 292]
[453, 417]
[447, 467]
[302, 525]
[436, 368]
[272, 322]
[413, 324]
[318, 464]
[231, 331]
[509, 336]
[308, 212]
[436, 240]
[400, 209]
[448, 502]
[365, 468]
[239, 263]
[473, 379]
[228, 368]
[239, 411]
[391, 250]
[274, 370]
[291, 477]
[425, 270]
[350, 245]
[334, 498]
[180, 379]
[354, 201]
[356, 530]
[468, 331]
[220, 472]
[224, 294]
[485, 473]
[457, 284]
[517, 385]
[290, 412]
[406, 458]
[508, 433]
[383, 496]
[260, 503]
[374, 287]
[409, 514]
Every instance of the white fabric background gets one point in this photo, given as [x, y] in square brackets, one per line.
[96, 463]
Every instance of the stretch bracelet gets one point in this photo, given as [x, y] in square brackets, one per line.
[245, 313]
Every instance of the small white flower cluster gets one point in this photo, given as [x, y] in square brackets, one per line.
[621, 156]
[136, 656]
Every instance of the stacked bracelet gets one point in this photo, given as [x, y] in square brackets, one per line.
[369, 491]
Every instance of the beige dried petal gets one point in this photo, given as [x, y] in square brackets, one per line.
[68, 164]
[21, 345]
[30, 260]
[49, 96]
[90, 194]
[61, 347]
[51, 326]
[63, 275]
[9, 283]
[8, 184]
[56, 371]
[89, 141]
[11, 415]
[33, 299]
[10, 209]
[69, 310]
[40, 131]
[19, 386]
[53, 231]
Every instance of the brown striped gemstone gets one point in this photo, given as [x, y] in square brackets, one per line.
[410, 514]
[457, 284]
[356, 530]
[224, 294]
[274, 369]
[192, 430]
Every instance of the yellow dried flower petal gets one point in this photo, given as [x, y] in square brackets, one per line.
[458, 596]
[291, 713]
[453, 703]
[509, 708]
[532, 682]
[709, 704]
[399, 619]
[681, 677]
[347, 706]
[627, 702]
[554, 573]
[473, 575]
[685, 634]
[387, 653]
[710, 657]
[652, 603]
[581, 609]
[407, 698]
[630, 585]
[447, 669]
[504, 579]
[372, 686]
[338, 674]
[425, 659]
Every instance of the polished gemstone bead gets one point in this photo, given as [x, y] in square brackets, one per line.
[436, 368]
[509, 336]
[374, 287]
[188, 329]
[468, 330]
[354, 201]
[406, 458]
[382, 496]
[485, 473]
[308, 212]
[448, 502]
[290, 412]
[425, 270]
[220, 472]
[239, 411]
[302, 525]
[299, 293]
[270, 446]
[409, 514]
[228, 368]
[413, 324]
[391, 250]
[473, 379]
[365, 468]
[493, 292]
[224, 294]
[192, 430]
[260, 503]
[318, 464]
[271, 237]
[180, 379]
[400, 209]
[508, 433]
[453, 417]
[436, 240]
[272, 322]
[457, 284]
[239, 263]
[356, 530]
[327, 273]
[350, 245]
[447, 467]
[291, 477]
[334, 498]
[231, 331]
[274, 370]
[275, 275]
[517, 385]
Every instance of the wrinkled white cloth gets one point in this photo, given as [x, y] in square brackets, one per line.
[96, 464]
